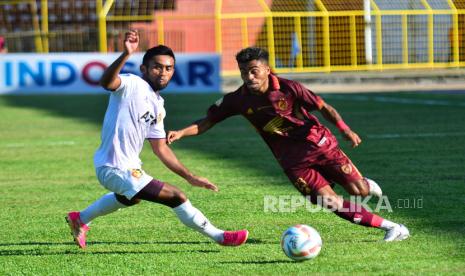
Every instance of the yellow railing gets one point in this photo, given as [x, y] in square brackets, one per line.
[337, 39]
[419, 42]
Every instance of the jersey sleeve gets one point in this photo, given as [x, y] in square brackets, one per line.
[126, 86]
[222, 109]
[309, 100]
[157, 130]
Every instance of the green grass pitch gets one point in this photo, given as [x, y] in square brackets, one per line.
[413, 146]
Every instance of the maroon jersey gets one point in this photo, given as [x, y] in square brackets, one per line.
[282, 117]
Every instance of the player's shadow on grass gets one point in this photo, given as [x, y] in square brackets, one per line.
[264, 262]
[73, 250]
[89, 108]
[50, 248]
[108, 243]
[149, 242]
[249, 241]
[38, 252]
[258, 241]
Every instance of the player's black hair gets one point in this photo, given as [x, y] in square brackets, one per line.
[160, 50]
[252, 53]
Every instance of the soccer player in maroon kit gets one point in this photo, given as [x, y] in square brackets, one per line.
[280, 110]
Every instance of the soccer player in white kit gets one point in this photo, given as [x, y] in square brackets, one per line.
[135, 113]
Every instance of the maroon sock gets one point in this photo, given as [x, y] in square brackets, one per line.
[355, 213]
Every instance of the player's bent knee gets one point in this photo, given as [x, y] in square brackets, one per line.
[358, 188]
[364, 192]
[178, 197]
[362, 188]
[128, 202]
[171, 196]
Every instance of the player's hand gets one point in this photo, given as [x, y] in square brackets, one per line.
[201, 182]
[131, 41]
[173, 136]
[353, 137]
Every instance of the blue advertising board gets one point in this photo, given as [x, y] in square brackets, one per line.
[79, 73]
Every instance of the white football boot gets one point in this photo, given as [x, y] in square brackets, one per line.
[397, 233]
[375, 190]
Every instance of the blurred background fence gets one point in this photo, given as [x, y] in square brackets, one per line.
[301, 35]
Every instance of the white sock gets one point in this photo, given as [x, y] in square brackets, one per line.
[374, 188]
[105, 205]
[387, 224]
[193, 218]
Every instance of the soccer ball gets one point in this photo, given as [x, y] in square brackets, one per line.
[301, 242]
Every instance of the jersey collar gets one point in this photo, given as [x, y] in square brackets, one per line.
[274, 81]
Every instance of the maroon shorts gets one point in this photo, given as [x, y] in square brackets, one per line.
[329, 167]
[150, 192]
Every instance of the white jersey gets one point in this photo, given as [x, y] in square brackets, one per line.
[135, 112]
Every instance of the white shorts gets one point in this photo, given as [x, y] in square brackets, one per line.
[123, 182]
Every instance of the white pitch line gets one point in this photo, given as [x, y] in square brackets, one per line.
[413, 135]
[384, 99]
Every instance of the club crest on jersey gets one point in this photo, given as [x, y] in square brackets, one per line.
[347, 168]
[159, 117]
[282, 104]
[136, 173]
[302, 186]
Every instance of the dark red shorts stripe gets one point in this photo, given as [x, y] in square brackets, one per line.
[151, 190]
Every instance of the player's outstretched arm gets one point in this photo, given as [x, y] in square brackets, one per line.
[167, 156]
[331, 114]
[198, 127]
[110, 79]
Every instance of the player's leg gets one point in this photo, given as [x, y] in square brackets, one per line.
[312, 184]
[190, 216]
[357, 214]
[341, 170]
[123, 184]
[79, 221]
[105, 205]
[363, 187]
